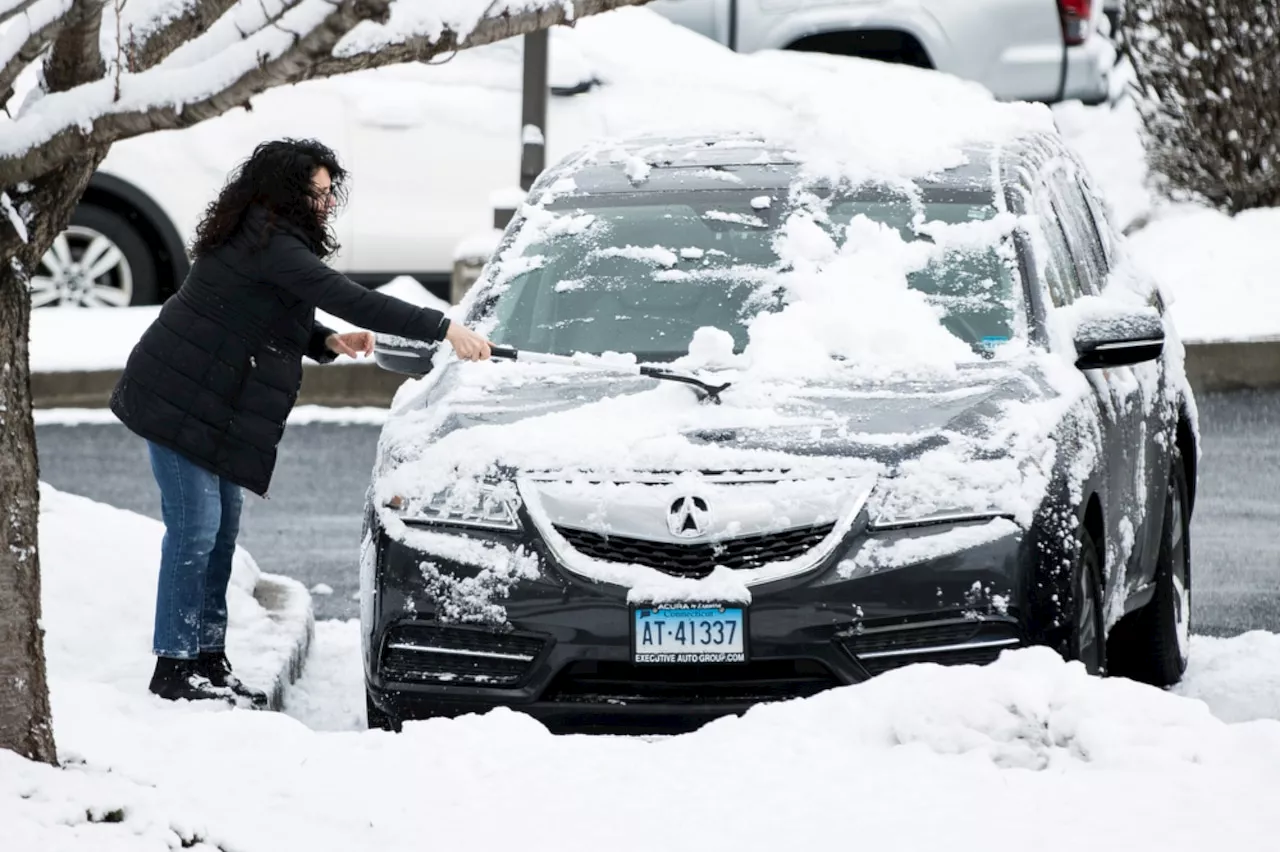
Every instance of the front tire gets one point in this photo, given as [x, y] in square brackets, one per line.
[1152, 645]
[1088, 641]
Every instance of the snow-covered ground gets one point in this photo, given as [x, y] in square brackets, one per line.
[98, 574]
[1223, 272]
[1027, 747]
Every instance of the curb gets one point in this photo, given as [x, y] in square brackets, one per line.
[288, 605]
[333, 385]
[1215, 366]
[1234, 366]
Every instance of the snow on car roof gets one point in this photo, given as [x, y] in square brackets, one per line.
[707, 162]
[838, 117]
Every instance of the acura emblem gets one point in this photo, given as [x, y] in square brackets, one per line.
[688, 517]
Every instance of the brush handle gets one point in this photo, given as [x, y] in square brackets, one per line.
[511, 354]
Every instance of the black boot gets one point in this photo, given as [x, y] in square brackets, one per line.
[178, 680]
[215, 666]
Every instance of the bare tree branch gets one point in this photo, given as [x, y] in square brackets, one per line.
[108, 127]
[489, 30]
[22, 43]
[308, 57]
[198, 18]
[76, 57]
[12, 8]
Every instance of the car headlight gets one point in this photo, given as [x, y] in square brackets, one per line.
[888, 510]
[481, 505]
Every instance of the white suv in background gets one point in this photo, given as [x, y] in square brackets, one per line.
[1029, 50]
[428, 144]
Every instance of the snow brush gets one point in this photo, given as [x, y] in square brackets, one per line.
[511, 354]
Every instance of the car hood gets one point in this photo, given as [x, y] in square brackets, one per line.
[631, 458]
[885, 423]
[502, 420]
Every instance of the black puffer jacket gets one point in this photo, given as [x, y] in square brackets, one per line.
[217, 373]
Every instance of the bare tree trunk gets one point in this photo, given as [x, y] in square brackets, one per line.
[25, 723]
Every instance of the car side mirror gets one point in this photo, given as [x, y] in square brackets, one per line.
[1119, 338]
[401, 355]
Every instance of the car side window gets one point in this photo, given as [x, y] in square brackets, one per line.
[1100, 218]
[1060, 269]
[1082, 235]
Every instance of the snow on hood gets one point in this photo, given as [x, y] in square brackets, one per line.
[980, 443]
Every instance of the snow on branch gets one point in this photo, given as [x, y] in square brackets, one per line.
[402, 38]
[182, 25]
[11, 8]
[303, 43]
[26, 38]
[243, 20]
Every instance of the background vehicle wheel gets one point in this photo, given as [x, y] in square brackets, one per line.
[1152, 645]
[98, 261]
[376, 719]
[1088, 642]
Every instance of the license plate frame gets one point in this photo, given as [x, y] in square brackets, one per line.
[672, 613]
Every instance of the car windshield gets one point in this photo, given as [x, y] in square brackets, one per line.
[640, 274]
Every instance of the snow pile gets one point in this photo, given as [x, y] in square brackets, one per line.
[851, 303]
[788, 97]
[1176, 772]
[98, 573]
[1239, 678]
[1220, 272]
[931, 755]
[89, 339]
[330, 694]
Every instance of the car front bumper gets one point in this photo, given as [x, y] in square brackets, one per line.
[563, 653]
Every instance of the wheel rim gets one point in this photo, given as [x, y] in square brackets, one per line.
[82, 269]
[1088, 636]
[1179, 575]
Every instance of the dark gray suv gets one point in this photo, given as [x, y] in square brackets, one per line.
[624, 595]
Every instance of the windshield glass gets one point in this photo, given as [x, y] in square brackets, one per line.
[641, 274]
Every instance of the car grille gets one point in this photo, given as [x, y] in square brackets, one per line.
[698, 560]
[423, 653]
[626, 683]
[951, 643]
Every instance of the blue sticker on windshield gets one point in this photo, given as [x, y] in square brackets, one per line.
[994, 341]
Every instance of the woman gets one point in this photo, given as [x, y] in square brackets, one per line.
[213, 379]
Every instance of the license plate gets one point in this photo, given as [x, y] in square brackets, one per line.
[697, 633]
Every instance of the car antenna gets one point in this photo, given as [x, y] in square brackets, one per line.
[511, 354]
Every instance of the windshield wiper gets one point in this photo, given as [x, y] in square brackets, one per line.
[708, 391]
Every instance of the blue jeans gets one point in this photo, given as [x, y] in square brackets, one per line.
[201, 513]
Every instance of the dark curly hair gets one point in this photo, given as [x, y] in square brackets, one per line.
[277, 176]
